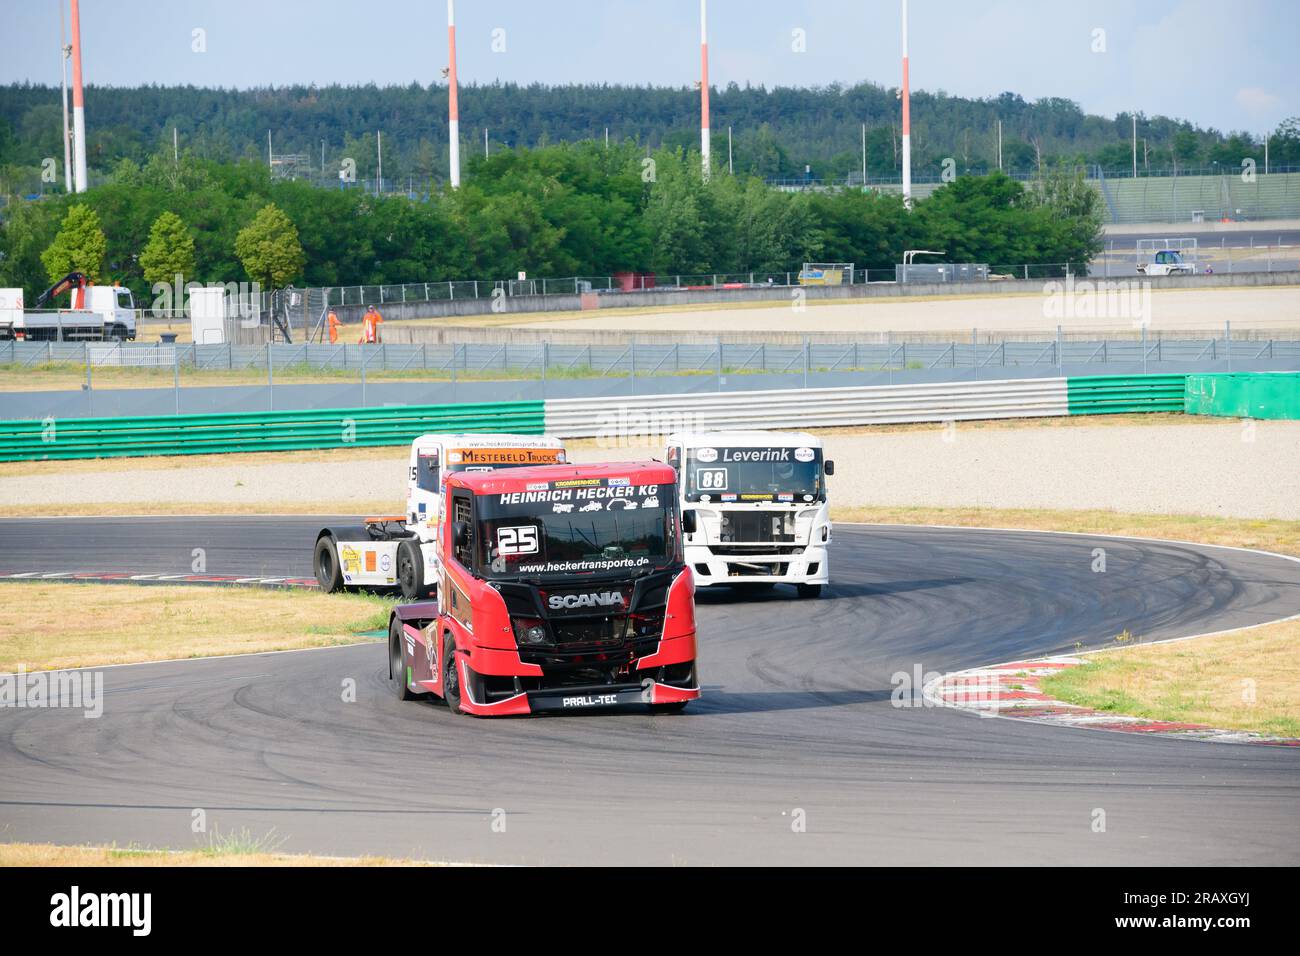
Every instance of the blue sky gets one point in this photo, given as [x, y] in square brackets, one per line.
[1231, 64]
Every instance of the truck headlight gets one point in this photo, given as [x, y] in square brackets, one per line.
[530, 631]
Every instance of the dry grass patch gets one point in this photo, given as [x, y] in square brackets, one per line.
[1249, 680]
[1269, 534]
[45, 626]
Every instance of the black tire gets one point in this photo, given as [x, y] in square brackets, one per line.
[118, 333]
[396, 666]
[326, 562]
[410, 571]
[450, 675]
[809, 590]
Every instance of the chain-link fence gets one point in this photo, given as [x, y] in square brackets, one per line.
[87, 379]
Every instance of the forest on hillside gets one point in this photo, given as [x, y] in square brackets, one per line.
[778, 133]
[562, 210]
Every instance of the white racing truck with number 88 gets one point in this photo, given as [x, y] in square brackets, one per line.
[760, 503]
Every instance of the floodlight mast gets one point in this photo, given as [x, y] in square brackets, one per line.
[907, 119]
[453, 107]
[704, 89]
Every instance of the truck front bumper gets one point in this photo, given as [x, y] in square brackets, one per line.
[666, 677]
[809, 567]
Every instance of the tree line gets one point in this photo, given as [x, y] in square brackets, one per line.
[563, 210]
[783, 132]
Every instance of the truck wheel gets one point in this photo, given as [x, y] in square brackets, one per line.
[396, 664]
[809, 590]
[119, 333]
[326, 562]
[410, 571]
[450, 675]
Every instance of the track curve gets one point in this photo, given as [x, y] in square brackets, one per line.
[797, 715]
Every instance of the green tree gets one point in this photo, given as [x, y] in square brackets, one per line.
[169, 251]
[269, 248]
[80, 246]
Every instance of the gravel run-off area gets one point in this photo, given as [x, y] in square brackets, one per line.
[1170, 310]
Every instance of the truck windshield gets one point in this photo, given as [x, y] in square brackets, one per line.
[565, 531]
[754, 474]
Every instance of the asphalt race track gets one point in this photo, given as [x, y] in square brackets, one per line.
[796, 716]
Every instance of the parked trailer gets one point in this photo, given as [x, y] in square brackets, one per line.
[400, 551]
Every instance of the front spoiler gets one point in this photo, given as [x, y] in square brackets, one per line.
[589, 697]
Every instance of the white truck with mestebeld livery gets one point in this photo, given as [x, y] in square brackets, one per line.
[400, 551]
[760, 505]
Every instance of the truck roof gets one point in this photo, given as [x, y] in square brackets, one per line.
[518, 479]
[745, 439]
[491, 440]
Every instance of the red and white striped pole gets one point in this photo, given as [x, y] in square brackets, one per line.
[65, 51]
[78, 102]
[453, 108]
[907, 119]
[704, 88]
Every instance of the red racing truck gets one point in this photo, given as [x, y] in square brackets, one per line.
[562, 589]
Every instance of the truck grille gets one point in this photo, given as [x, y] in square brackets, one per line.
[756, 526]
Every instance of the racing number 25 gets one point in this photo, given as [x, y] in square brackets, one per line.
[520, 540]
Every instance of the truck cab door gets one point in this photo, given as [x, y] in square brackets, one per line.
[424, 488]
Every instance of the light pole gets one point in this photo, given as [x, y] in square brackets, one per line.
[78, 102]
[907, 120]
[704, 89]
[453, 108]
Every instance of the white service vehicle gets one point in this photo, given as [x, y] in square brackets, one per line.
[760, 504]
[99, 313]
[1166, 257]
[401, 550]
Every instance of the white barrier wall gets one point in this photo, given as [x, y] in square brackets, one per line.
[807, 408]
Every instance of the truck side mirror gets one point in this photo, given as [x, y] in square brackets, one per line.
[688, 522]
[829, 468]
[460, 534]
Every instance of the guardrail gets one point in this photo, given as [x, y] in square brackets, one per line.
[806, 408]
[260, 431]
[635, 418]
[1121, 394]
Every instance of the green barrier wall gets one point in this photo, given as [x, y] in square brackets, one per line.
[1118, 394]
[1244, 395]
[259, 431]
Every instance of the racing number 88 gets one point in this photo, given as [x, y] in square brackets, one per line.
[711, 479]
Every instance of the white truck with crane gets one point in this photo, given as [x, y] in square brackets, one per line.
[401, 551]
[760, 504]
[98, 313]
